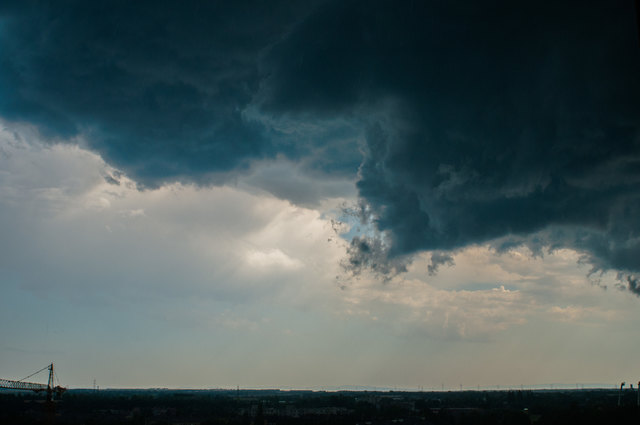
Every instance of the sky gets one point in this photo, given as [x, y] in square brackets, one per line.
[320, 194]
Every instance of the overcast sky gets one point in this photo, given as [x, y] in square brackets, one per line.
[320, 194]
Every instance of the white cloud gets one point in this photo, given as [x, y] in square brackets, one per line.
[272, 258]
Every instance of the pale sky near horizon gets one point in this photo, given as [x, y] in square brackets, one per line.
[320, 194]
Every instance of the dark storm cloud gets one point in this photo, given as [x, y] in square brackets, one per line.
[439, 259]
[486, 119]
[370, 253]
[633, 284]
[158, 88]
[481, 121]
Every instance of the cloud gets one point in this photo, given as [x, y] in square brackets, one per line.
[158, 90]
[370, 253]
[481, 121]
[67, 230]
[439, 259]
[633, 284]
[272, 258]
[297, 183]
[486, 295]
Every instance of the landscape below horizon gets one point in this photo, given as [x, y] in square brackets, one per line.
[247, 407]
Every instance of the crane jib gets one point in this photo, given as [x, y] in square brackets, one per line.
[19, 385]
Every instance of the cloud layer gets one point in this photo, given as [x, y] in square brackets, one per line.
[466, 123]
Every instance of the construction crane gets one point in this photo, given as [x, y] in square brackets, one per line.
[50, 387]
